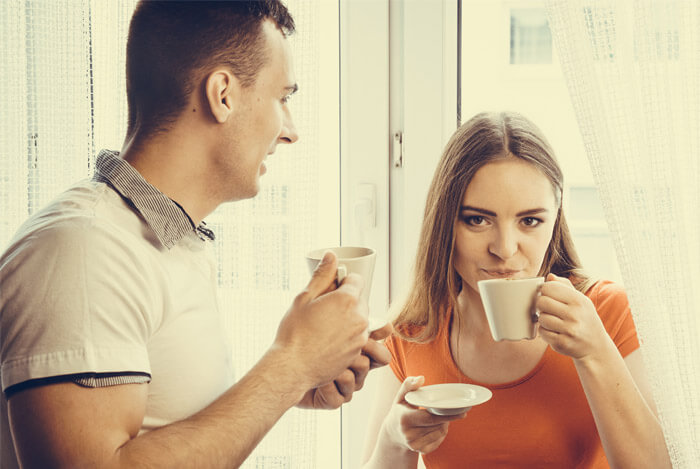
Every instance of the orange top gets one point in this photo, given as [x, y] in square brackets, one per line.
[540, 420]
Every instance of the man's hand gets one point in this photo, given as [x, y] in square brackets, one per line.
[375, 349]
[341, 389]
[324, 332]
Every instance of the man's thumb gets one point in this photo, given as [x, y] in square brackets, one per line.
[323, 276]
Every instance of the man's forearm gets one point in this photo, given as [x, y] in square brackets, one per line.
[223, 434]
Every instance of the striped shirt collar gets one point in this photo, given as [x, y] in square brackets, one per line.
[164, 216]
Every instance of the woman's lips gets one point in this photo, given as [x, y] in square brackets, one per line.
[501, 273]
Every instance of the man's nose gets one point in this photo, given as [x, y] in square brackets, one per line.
[289, 131]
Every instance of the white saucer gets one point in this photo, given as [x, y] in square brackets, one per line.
[448, 398]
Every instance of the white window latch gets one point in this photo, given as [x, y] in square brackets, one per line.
[397, 150]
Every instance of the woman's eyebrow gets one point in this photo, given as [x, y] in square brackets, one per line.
[478, 210]
[532, 211]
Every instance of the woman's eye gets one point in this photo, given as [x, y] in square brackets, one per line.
[531, 221]
[474, 220]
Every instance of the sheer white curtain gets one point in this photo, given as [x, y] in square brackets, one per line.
[633, 72]
[62, 99]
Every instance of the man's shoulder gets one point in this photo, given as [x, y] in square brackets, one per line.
[88, 216]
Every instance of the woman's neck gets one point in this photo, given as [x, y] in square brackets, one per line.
[469, 315]
[478, 355]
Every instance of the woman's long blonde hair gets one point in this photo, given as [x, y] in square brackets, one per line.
[485, 138]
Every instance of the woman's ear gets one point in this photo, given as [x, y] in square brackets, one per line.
[221, 91]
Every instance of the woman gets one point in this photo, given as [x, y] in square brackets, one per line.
[576, 395]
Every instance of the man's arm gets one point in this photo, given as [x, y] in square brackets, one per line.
[65, 425]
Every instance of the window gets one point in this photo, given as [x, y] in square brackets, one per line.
[509, 63]
[530, 38]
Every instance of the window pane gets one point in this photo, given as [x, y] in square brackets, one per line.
[530, 38]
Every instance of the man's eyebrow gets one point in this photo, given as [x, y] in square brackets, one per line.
[524, 213]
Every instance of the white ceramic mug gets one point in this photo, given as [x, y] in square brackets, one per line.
[510, 306]
[351, 259]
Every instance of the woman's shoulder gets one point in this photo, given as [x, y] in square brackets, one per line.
[606, 291]
[611, 303]
[422, 332]
[409, 331]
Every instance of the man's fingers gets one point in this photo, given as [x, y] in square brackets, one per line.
[345, 383]
[352, 283]
[382, 333]
[328, 397]
[323, 276]
[377, 353]
[360, 367]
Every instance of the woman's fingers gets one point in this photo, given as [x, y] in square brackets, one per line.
[418, 429]
[424, 431]
[411, 383]
[428, 441]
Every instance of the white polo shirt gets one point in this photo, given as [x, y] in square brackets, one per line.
[112, 283]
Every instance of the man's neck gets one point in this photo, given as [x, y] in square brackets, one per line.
[177, 167]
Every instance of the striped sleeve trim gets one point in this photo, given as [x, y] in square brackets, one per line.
[89, 380]
[103, 380]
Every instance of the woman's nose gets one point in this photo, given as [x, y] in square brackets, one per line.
[504, 243]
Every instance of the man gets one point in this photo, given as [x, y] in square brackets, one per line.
[111, 347]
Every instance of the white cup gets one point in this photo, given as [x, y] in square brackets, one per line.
[510, 306]
[351, 259]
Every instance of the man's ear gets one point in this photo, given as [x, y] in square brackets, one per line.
[221, 90]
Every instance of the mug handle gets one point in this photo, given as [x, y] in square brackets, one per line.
[340, 274]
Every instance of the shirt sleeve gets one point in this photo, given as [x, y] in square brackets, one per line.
[613, 307]
[398, 356]
[74, 301]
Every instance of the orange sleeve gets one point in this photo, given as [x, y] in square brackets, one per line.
[613, 307]
[398, 357]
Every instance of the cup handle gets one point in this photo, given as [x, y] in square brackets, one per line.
[340, 274]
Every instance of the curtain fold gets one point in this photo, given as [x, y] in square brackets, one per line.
[633, 72]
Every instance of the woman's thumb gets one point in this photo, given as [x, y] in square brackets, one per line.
[411, 383]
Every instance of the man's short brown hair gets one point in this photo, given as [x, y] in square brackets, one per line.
[172, 45]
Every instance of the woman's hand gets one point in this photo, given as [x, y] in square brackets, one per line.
[568, 321]
[412, 428]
